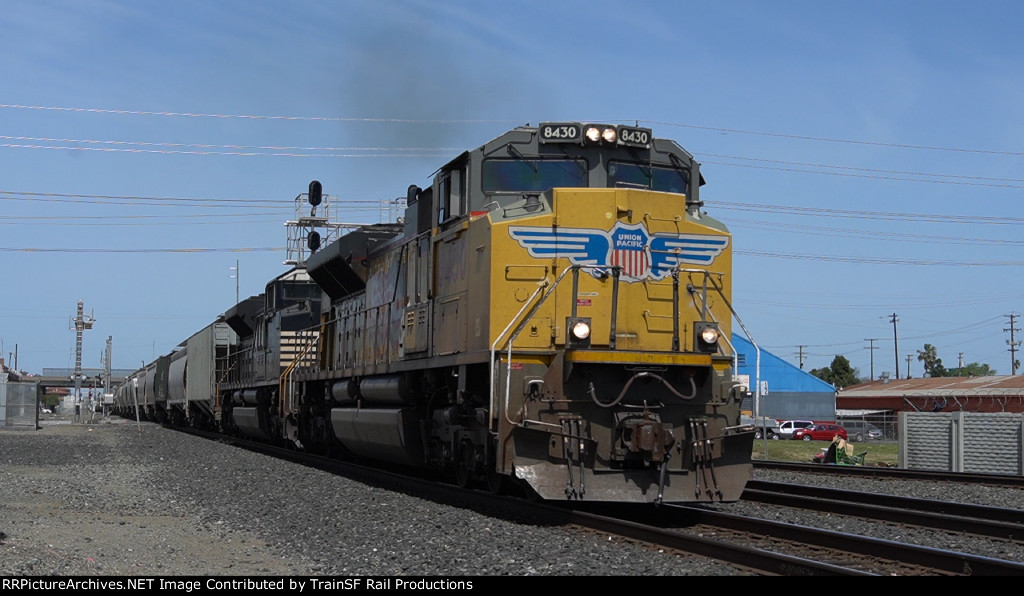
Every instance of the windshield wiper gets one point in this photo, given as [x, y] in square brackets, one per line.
[646, 169]
[516, 153]
[576, 159]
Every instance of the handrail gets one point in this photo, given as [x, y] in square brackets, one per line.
[540, 286]
[287, 372]
[546, 289]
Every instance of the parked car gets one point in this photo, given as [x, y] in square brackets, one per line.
[859, 430]
[762, 426]
[820, 432]
[787, 427]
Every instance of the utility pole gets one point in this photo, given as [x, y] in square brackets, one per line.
[801, 356]
[235, 269]
[960, 364]
[895, 344]
[1013, 343]
[106, 367]
[872, 348]
[909, 357]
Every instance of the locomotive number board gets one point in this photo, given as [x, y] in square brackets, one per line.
[572, 132]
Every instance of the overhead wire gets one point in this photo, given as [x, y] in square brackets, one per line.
[506, 121]
[781, 165]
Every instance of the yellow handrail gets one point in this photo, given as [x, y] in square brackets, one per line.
[287, 371]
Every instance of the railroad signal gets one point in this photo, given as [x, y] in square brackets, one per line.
[316, 191]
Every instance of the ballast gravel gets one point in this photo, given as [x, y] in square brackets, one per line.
[116, 498]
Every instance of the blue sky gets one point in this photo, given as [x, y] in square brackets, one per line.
[867, 156]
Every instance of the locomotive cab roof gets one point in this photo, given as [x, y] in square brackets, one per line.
[535, 159]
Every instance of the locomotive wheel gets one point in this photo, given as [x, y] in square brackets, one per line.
[495, 482]
[465, 461]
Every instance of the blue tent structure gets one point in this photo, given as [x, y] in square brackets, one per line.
[787, 392]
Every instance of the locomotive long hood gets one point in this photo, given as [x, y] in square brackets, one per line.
[340, 267]
[241, 317]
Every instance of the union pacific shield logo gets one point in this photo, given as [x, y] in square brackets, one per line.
[640, 254]
[628, 244]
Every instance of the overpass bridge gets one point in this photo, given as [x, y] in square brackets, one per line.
[91, 383]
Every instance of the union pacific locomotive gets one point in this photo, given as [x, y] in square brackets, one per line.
[553, 311]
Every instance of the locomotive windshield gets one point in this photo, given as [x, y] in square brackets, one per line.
[653, 177]
[508, 175]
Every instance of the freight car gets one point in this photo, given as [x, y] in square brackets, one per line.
[553, 311]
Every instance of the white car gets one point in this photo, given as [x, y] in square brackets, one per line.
[787, 428]
[47, 411]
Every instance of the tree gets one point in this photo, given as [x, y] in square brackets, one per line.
[932, 363]
[840, 374]
[973, 369]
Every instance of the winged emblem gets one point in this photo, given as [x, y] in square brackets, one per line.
[668, 251]
[639, 254]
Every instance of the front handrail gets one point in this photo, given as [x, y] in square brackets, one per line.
[532, 305]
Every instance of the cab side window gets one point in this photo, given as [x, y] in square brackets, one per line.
[453, 201]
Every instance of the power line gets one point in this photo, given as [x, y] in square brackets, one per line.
[440, 152]
[143, 250]
[269, 147]
[138, 200]
[790, 210]
[879, 171]
[876, 260]
[505, 121]
[860, 233]
[252, 117]
[825, 173]
[211, 152]
[833, 140]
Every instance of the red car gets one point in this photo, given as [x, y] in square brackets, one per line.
[820, 432]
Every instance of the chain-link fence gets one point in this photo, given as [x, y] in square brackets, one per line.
[886, 423]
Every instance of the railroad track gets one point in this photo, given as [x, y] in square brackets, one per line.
[752, 545]
[979, 520]
[1005, 480]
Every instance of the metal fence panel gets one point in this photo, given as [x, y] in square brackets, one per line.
[992, 443]
[973, 442]
[926, 441]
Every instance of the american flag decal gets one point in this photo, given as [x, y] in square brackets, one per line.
[640, 254]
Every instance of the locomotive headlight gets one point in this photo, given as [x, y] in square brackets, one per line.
[609, 135]
[707, 334]
[593, 134]
[578, 335]
[581, 330]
